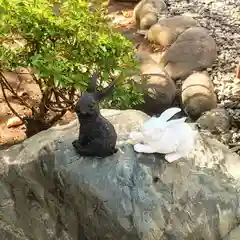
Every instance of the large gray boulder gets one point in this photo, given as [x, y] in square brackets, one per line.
[49, 192]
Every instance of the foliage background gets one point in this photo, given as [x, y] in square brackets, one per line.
[63, 46]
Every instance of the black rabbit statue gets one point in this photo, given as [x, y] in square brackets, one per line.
[97, 136]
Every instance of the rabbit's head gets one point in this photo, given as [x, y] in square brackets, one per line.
[88, 104]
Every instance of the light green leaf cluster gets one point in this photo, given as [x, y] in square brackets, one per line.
[64, 43]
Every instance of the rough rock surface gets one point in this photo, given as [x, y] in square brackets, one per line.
[233, 235]
[147, 12]
[49, 192]
[215, 121]
[194, 50]
[166, 31]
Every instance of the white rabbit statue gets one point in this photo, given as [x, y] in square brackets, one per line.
[175, 138]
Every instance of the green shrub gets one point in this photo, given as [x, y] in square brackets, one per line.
[63, 48]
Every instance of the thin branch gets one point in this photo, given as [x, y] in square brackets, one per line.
[49, 107]
[9, 105]
[57, 117]
[71, 95]
[59, 94]
[42, 105]
[57, 102]
[20, 82]
[46, 100]
[8, 86]
[38, 81]
[10, 39]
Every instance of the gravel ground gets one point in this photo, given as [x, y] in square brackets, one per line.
[222, 19]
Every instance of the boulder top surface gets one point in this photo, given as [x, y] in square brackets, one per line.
[50, 192]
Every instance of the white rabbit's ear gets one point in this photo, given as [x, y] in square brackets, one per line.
[176, 121]
[167, 114]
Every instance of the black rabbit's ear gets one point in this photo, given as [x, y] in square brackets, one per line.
[93, 83]
[102, 94]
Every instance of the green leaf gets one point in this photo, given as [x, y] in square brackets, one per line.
[65, 49]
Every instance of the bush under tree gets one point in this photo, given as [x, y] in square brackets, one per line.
[63, 44]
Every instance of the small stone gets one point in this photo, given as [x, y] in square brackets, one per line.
[146, 13]
[166, 31]
[14, 122]
[198, 95]
[216, 121]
